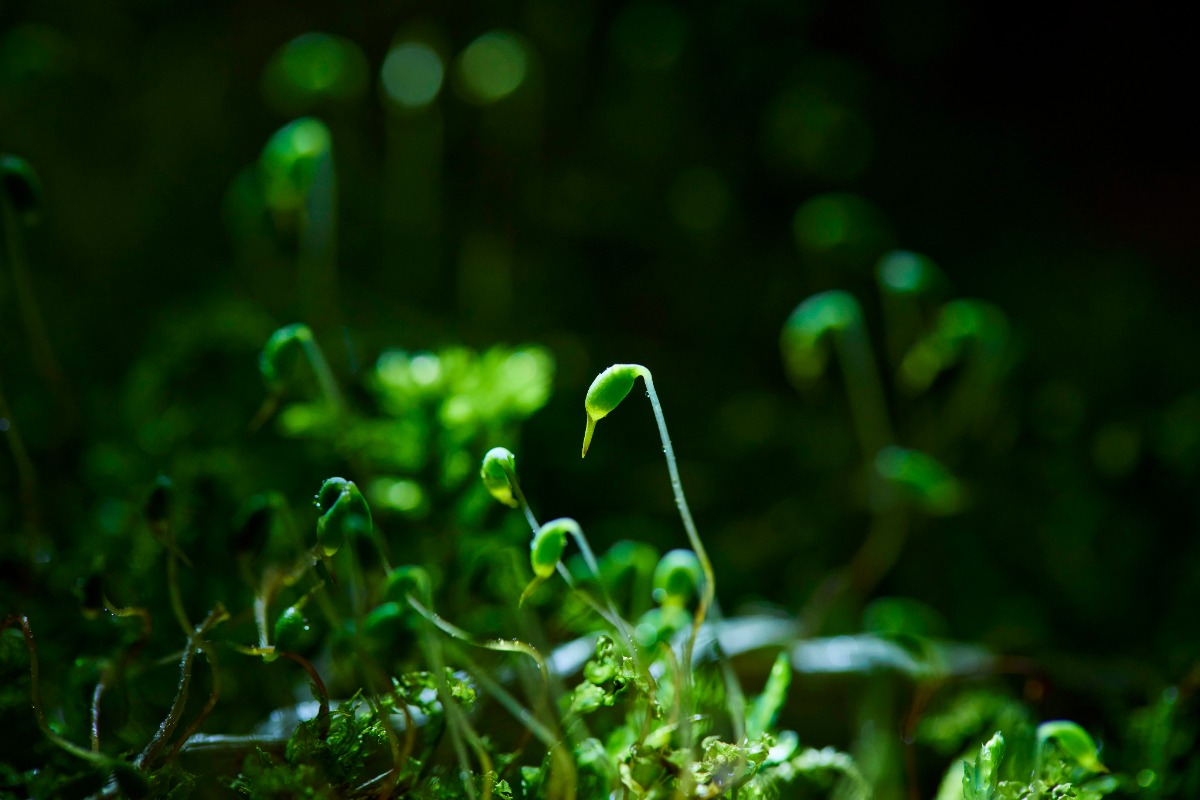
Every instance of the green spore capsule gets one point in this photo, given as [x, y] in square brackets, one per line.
[802, 340]
[346, 513]
[291, 630]
[495, 476]
[408, 580]
[546, 550]
[677, 578]
[606, 393]
[548, 545]
[384, 623]
[924, 478]
[21, 188]
[284, 344]
[290, 160]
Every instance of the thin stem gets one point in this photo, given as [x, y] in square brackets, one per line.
[553, 743]
[685, 513]
[26, 477]
[321, 692]
[455, 718]
[177, 607]
[97, 693]
[260, 619]
[609, 612]
[709, 591]
[31, 313]
[499, 645]
[168, 725]
[213, 696]
[271, 652]
[317, 256]
[735, 696]
[393, 775]
[511, 704]
[130, 654]
[36, 694]
[863, 389]
[324, 374]
[516, 485]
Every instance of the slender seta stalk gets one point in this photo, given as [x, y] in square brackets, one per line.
[167, 727]
[271, 363]
[838, 315]
[606, 392]
[499, 475]
[35, 692]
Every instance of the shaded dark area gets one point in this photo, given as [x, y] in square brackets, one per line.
[627, 182]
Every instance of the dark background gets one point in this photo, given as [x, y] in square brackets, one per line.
[1044, 157]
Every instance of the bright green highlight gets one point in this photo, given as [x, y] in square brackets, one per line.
[493, 67]
[312, 68]
[907, 273]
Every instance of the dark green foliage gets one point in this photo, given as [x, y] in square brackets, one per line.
[974, 516]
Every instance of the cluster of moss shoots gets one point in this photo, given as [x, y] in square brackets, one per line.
[649, 717]
[644, 720]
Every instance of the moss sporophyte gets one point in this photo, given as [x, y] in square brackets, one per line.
[640, 702]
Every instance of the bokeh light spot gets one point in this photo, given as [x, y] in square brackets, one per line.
[839, 222]
[493, 67]
[905, 272]
[313, 68]
[412, 74]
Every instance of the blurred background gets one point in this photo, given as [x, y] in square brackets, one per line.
[644, 182]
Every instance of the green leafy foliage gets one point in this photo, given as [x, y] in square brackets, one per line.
[409, 637]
